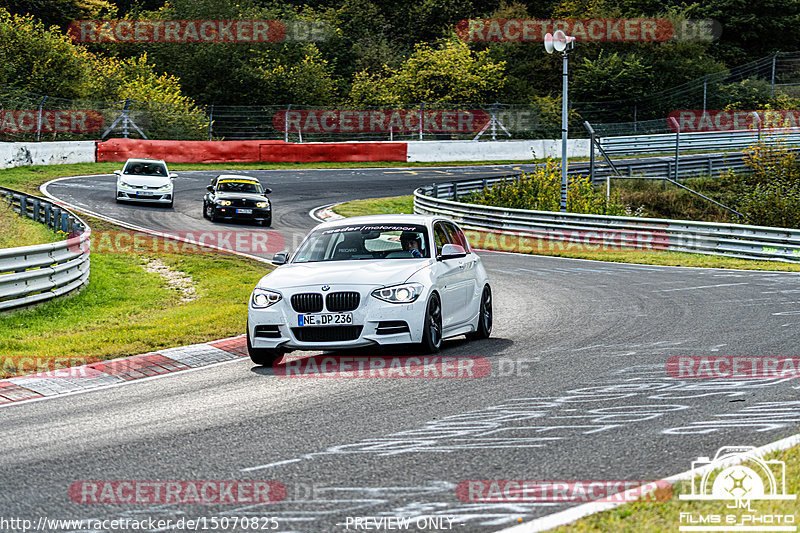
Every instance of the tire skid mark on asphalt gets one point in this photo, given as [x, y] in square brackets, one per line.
[643, 393]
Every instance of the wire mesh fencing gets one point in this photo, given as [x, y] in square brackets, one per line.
[26, 116]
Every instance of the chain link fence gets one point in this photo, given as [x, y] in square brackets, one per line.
[27, 116]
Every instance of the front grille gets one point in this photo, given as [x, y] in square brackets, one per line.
[268, 331]
[390, 327]
[342, 301]
[327, 334]
[307, 302]
[242, 202]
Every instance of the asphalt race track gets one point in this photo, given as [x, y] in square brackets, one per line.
[578, 390]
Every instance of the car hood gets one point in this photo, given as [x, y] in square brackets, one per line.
[377, 273]
[149, 181]
[240, 195]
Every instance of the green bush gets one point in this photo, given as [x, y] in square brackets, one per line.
[770, 192]
[541, 191]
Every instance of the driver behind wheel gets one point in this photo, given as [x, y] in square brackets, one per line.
[410, 242]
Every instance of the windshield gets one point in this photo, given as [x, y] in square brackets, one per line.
[365, 241]
[146, 169]
[239, 186]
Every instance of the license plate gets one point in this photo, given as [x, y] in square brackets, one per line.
[142, 193]
[325, 319]
[245, 211]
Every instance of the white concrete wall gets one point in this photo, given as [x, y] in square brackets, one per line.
[433, 151]
[46, 153]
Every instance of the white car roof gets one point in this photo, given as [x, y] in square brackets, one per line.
[236, 177]
[425, 220]
[145, 161]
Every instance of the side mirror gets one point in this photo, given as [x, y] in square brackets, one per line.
[118, 172]
[281, 258]
[267, 190]
[210, 188]
[452, 251]
[172, 175]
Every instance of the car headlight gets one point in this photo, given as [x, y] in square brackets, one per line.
[224, 202]
[262, 205]
[264, 298]
[124, 185]
[399, 294]
[166, 187]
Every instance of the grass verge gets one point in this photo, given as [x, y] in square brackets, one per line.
[125, 310]
[374, 206]
[491, 241]
[28, 178]
[666, 516]
[19, 231]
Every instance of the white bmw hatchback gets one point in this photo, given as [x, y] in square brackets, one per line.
[374, 280]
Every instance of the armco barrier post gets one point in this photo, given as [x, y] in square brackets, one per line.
[36, 210]
[48, 218]
[56, 217]
[65, 222]
[23, 207]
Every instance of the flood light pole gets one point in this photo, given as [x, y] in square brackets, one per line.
[561, 42]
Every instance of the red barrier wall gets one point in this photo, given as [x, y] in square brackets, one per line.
[248, 151]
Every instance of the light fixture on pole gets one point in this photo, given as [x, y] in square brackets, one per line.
[561, 42]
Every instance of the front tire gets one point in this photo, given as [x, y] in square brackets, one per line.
[484, 316]
[209, 212]
[432, 334]
[262, 356]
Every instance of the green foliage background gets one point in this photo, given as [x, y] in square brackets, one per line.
[381, 52]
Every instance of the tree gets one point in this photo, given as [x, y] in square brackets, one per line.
[41, 60]
[447, 74]
[612, 74]
[62, 12]
[243, 74]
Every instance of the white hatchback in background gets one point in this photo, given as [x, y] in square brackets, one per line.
[145, 180]
[373, 280]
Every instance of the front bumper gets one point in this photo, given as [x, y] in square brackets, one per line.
[230, 212]
[277, 326]
[134, 195]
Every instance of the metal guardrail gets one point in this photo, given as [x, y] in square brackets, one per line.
[594, 231]
[34, 274]
[664, 167]
[697, 141]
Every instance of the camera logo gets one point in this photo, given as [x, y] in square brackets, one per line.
[738, 475]
[758, 479]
